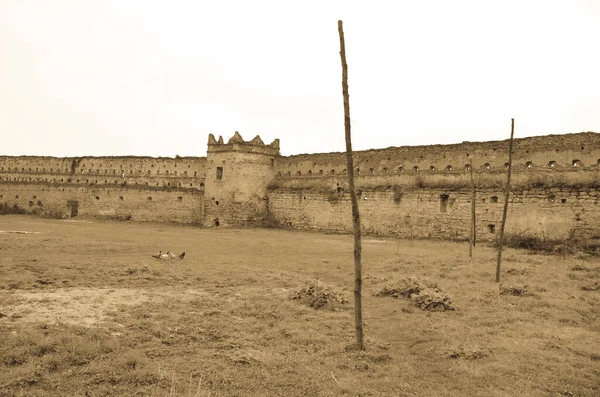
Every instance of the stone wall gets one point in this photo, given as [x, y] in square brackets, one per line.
[125, 203]
[416, 191]
[442, 213]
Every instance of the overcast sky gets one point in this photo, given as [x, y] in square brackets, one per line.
[116, 77]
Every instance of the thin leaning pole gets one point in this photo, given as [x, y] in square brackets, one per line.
[472, 223]
[510, 146]
[355, 214]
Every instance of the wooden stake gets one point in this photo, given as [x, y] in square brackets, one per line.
[355, 214]
[473, 220]
[472, 223]
[510, 145]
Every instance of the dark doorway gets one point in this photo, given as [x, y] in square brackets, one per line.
[74, 206]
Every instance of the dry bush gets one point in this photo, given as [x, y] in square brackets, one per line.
[516, 291]
[424, 295]
[318, 296]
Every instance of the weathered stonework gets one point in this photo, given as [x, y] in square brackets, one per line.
[413, 192]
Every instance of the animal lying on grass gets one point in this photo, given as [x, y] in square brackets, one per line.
[168, 255]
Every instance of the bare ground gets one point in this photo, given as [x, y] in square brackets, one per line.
[84, 308]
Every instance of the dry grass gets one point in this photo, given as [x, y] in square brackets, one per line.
[87, 309]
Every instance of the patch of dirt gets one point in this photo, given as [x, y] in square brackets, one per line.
[423, 294]
[318, 296]
[75, 306]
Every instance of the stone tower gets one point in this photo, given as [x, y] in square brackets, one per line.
[237, 175]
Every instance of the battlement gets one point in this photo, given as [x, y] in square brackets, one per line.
[237, 144]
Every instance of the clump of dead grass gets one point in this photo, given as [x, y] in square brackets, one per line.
[461, 352]
[423, 294]
[595, 286]
[319, 296]
[516, 290]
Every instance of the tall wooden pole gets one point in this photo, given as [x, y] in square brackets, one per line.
[472, 223]
[355, 215]
[473, 220]
[510, 145]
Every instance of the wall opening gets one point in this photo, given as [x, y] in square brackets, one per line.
[31, 203]
[491, 228]
[216, 222]
[552, 164]
[563, 201]
[529, 164]
[467, 167]
[444, 203]
[416, 168]
[494, 199]
[149, 198]
[97, 197]
[432, 168]
[339, 189]
[397, 194]
[179, 198]
[577, 163]
[121, 198]
[449, 167]
[487, 166]
[219, 173]
[400, 169]
[272, 162]
[217, 202]
[73, 205]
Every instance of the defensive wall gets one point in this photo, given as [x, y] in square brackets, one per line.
[411, 191]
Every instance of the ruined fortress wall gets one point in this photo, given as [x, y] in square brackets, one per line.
[184, 172]
[442, 213]
[421, 191]
[555, 189]
[553, 151]
[125, 203]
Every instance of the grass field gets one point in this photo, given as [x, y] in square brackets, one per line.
[86, 310]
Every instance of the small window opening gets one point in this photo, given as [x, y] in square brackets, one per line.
[299, 173]
[506, 165]
[467, 167]
[494, 199]
[179, 198]
[577, 163]
[121, 198]
[309, 172]
[97, 197]
[371, 170]
[449, 167]
[332, 172]
[487, 166]
[483, 200]
[563, 201]
[339, 189]
[149, 198]
[320, 172]
[217, 202]
[358, 170]
[529, 164]
[444, 203]
[416, 168]
[491, 228]
[219, 173]
[385, 170]
[216, 221]
[432, 168]
[552, 164]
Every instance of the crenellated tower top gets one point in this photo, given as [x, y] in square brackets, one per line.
[237, 144]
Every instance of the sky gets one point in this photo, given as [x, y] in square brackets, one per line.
[154, 78]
